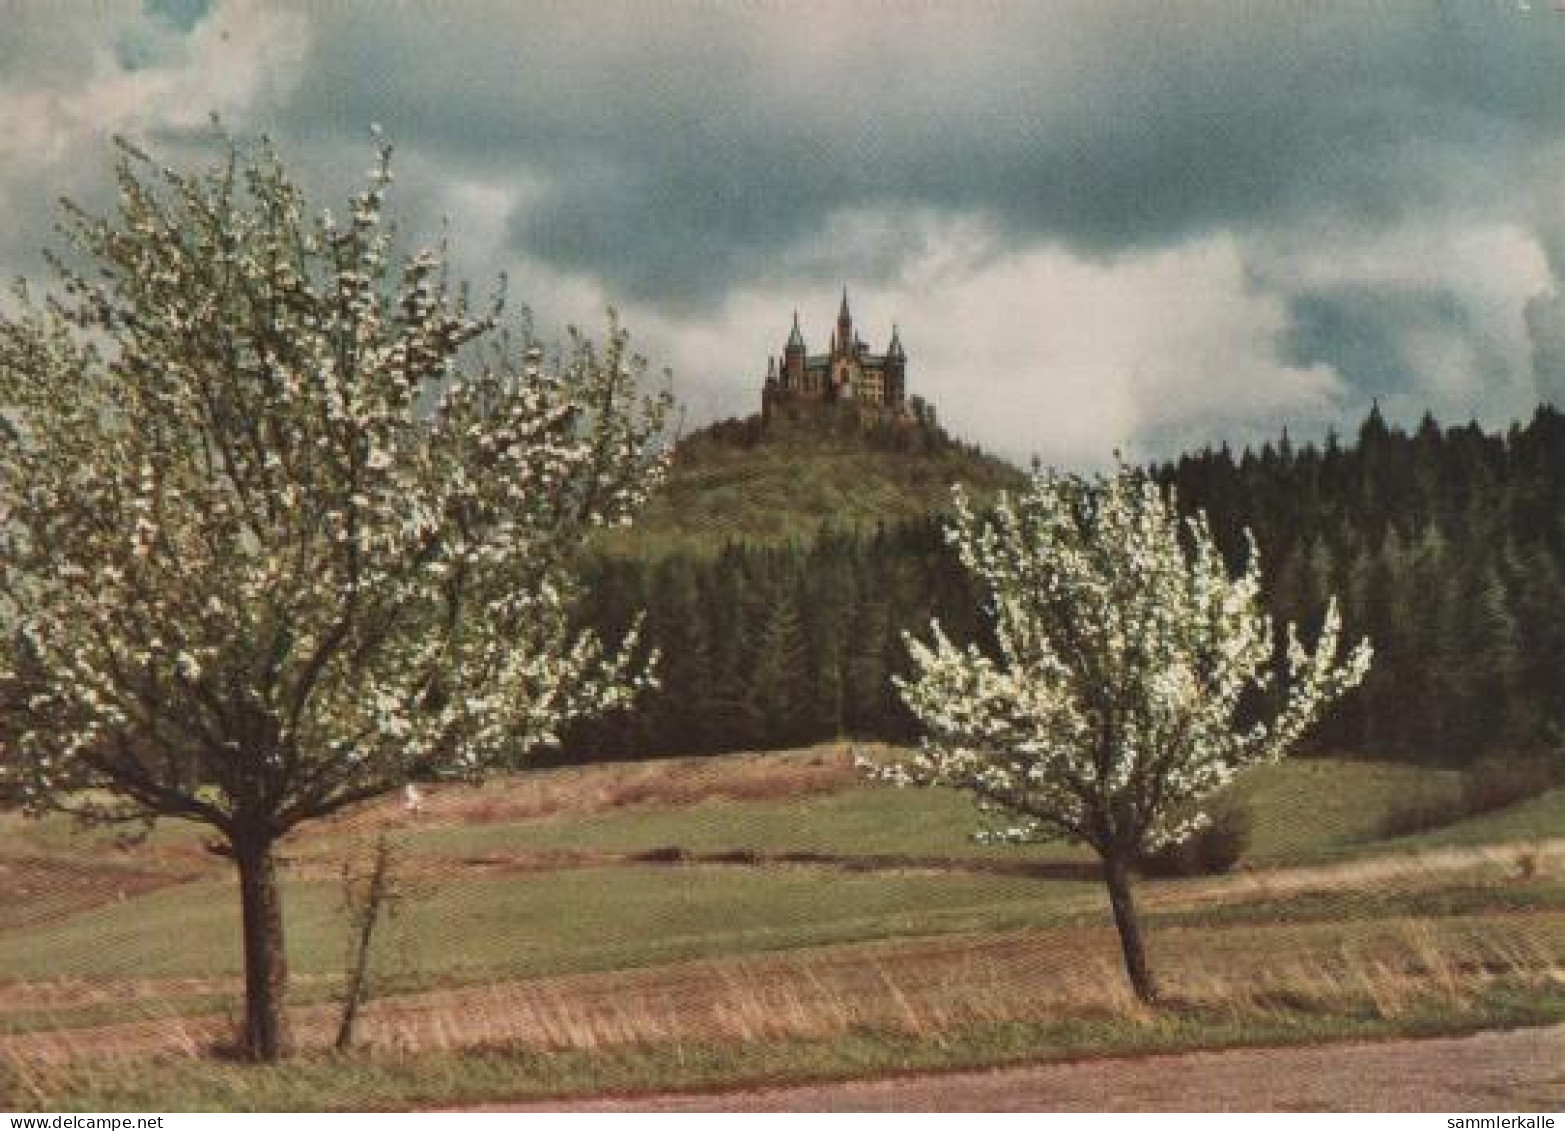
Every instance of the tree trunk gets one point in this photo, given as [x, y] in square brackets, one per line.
[266, 964]
[1116, 873]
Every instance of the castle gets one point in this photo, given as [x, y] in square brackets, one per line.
[875, 384]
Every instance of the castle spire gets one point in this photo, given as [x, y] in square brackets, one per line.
[894, 350]
[796, 339]
[842, 311]
[844, 340]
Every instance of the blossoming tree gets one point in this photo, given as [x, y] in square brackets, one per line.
[288, 523]
[1128, 661]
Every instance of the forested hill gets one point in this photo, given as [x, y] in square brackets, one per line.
[781, 482]
[1445, 546]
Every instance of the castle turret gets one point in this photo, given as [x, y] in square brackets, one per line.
[896, 370]
[793, 358]
[844, 340]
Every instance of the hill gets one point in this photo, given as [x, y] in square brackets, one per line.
[784, 480]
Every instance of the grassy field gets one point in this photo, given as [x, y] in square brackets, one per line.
[1302, 811]
[535, 883]
[513, 926]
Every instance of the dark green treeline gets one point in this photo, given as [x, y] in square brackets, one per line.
[1445, 546]
[768, 647]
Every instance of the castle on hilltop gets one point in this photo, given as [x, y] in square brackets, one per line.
[873, 383]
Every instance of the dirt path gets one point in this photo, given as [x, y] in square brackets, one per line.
[1518, 1070]
[1401, 870]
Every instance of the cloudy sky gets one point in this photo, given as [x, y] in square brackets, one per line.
[1098, 224]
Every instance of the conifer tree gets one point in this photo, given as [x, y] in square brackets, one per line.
[778, 694]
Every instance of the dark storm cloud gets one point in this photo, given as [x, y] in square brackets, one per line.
[183, 14]
[1359, 329]
[682, 147]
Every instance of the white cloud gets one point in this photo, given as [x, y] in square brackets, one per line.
[1069, 359]
[80, 73]
[241, 53]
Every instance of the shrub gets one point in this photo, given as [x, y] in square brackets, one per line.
[1211, 850]
[1498, 780]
